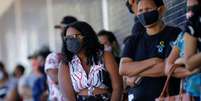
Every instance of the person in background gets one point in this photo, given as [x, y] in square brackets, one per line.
[39, 90]
[19, 71]
[192, 36]
[4, 82]
[186, 51]
[51, 69]
[145, 53]
[26, 83]
[110, 43]
[52, 63]
[64, 22]
[13, 94]
[43, 52]
[87, 72]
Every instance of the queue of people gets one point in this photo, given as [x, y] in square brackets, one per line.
[93, 67]
[9, 83]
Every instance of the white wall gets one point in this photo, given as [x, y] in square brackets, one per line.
[27, 25]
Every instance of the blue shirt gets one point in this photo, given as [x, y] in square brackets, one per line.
[192, 84]
[39, 87]
[179, 43]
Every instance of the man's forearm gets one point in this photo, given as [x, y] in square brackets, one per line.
[154, 71]
[134, 68]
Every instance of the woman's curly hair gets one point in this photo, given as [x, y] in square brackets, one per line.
[91, 45]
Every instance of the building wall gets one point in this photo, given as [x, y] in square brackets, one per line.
[175, 14]
[120, 19]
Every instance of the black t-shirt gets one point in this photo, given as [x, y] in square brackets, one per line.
[142, 47]
[137, 27]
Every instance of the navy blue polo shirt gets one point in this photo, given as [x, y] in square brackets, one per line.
[141, 47]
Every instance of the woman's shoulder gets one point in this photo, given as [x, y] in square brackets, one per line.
[108, 56]
[106, 53]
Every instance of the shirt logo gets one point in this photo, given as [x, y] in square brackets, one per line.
[199, 39]
[161, 46]
[130, 97]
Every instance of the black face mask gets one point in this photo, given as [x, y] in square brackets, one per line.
[73, 45]
[194, 20]
[196, 10]
[148, 18]
[129, 6]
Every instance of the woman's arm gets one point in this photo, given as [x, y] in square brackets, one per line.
[180, 61]
[65, 83]
[24, 90]
[12, 95]
[192, 60]
[53, 74]
[173, 58]
[174, 55]
[116, 79]
[183, 72]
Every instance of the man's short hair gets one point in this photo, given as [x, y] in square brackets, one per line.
[157, 2]
[66, 21]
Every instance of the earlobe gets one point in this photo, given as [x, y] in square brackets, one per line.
[161, 10]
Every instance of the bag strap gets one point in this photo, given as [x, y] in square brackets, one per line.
[165, 88]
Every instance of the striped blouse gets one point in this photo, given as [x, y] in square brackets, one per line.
[80, 79]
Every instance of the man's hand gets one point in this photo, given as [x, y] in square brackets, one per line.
[130, 81]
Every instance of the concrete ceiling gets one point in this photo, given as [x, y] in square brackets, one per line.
[4, 6]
